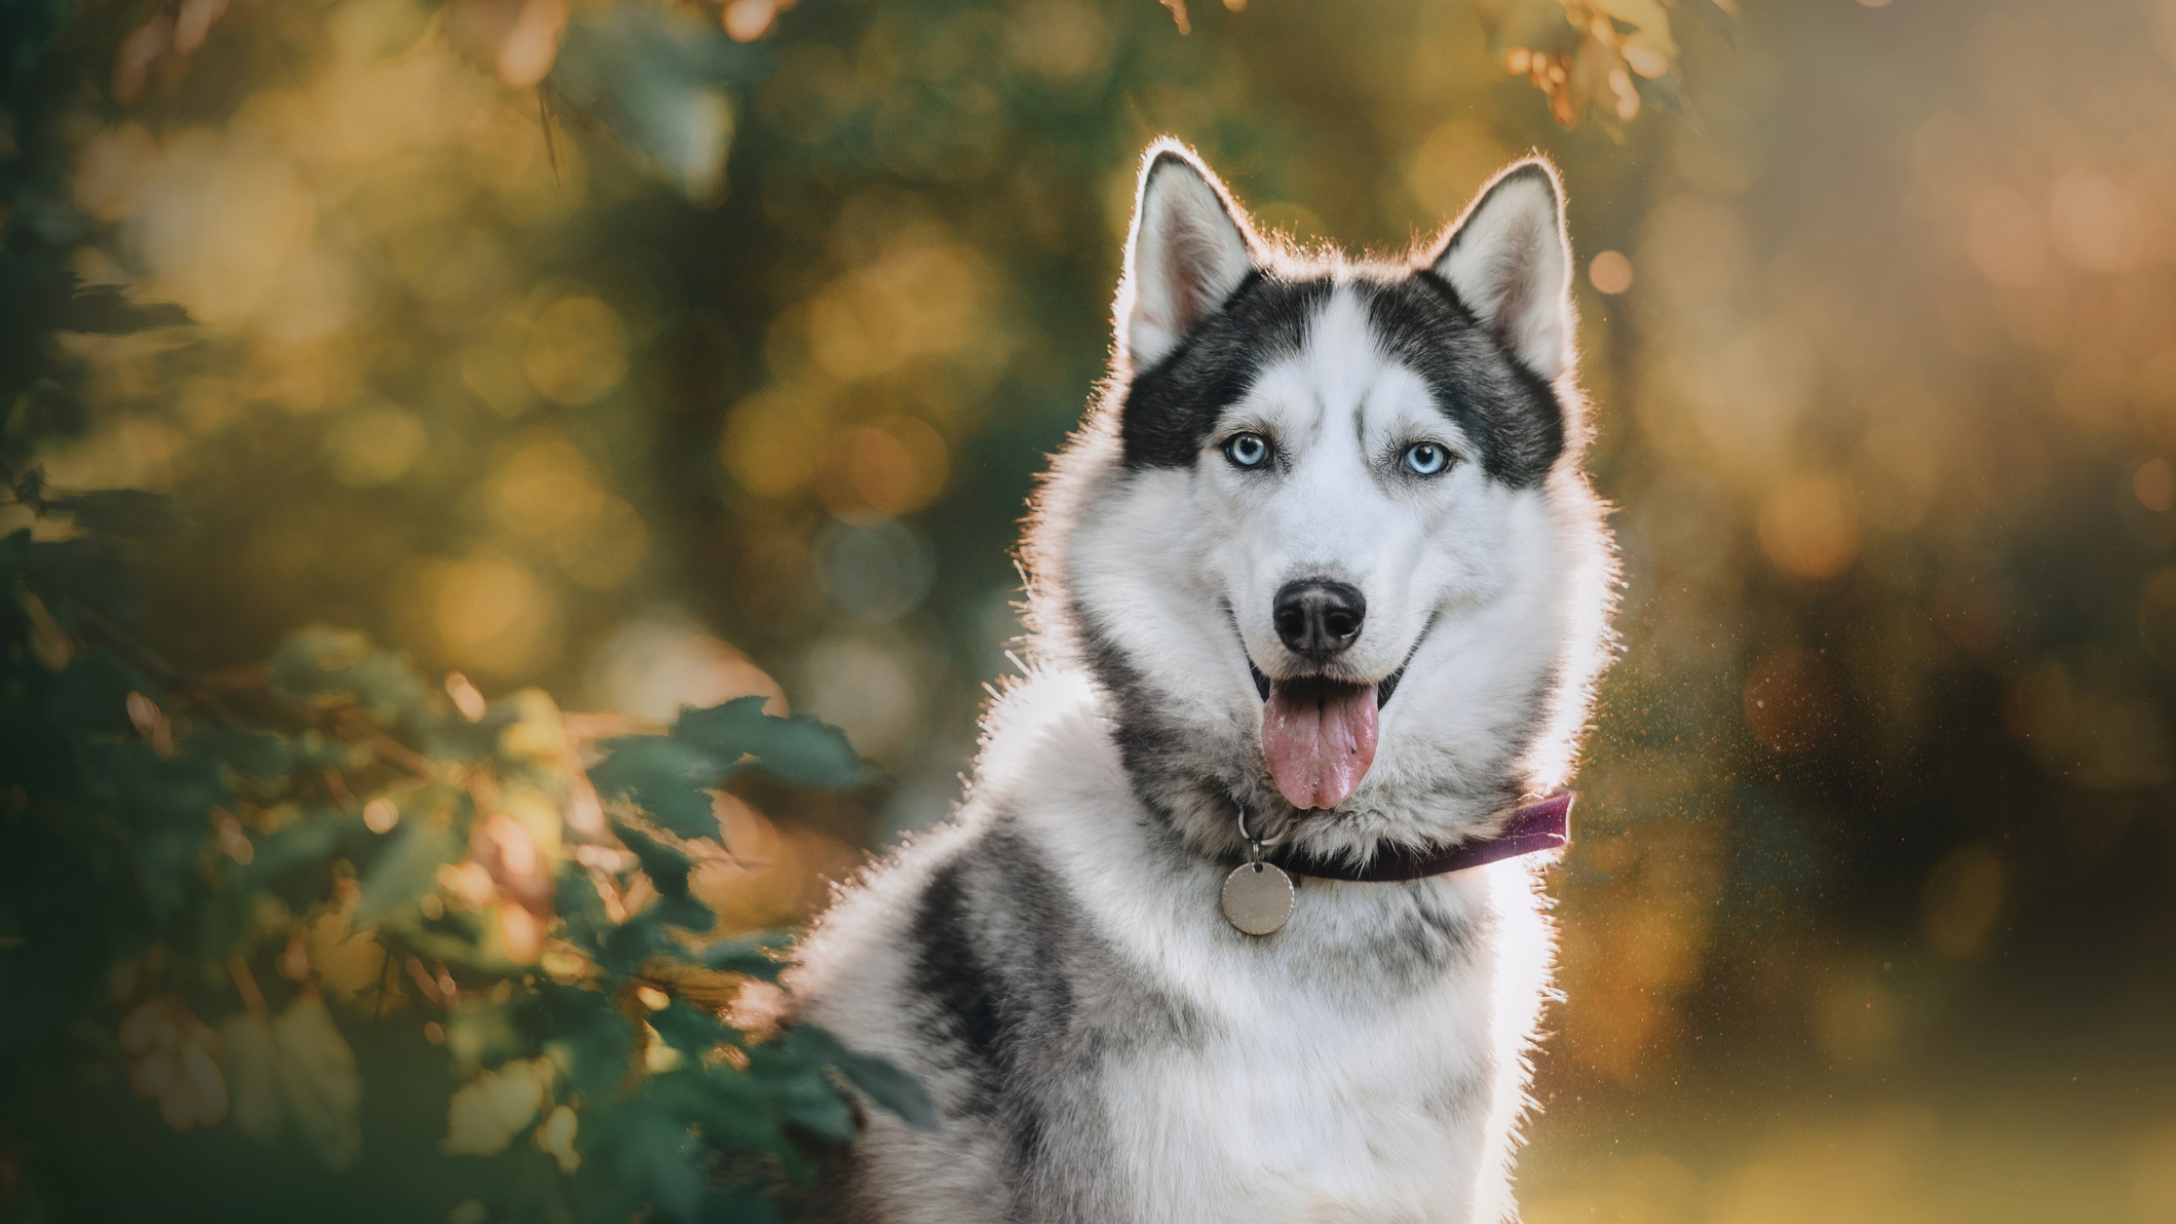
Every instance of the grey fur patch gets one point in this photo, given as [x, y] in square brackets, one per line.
[1459, 1096]
[1020, 1007]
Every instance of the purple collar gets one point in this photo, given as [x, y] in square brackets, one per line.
[1542, 825]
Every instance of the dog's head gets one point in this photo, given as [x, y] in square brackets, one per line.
[1325, 540]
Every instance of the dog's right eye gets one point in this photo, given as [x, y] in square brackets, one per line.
[1247, 450]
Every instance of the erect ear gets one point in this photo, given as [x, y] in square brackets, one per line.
[1510, 262]
[1188, 251]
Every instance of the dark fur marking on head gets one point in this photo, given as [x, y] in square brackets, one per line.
[1170, 407]
[1510, 412]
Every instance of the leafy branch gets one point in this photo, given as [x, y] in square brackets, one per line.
[337, 836]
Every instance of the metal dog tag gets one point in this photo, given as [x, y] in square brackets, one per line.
[1258, 897]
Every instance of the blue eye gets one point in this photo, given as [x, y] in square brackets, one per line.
[1247, 450]
[1427, 458]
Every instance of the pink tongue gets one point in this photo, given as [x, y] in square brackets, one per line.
[1319, 737]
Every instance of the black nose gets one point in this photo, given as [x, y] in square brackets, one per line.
[1319, 618]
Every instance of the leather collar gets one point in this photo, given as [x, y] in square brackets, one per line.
[1542, 825]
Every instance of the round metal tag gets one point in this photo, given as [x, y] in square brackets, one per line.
[1257, 898]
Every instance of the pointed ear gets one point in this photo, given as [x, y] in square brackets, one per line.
[1188, 251]
[1510, 261]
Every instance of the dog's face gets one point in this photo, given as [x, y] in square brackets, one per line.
[1328, 576]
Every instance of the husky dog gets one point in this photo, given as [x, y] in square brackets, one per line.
[1319, 578]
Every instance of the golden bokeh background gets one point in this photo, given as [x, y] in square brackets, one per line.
[736, 382]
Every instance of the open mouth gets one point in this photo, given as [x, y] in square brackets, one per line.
[1382, 691]
[1319, 733]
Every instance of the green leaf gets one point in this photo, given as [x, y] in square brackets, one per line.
[643, 936]
[324, 1091]
[106, 310]
[307, 844]
[741, 1203]
[662, 1164]
[1718, 20]
[127, 512]
[576, 900]
[798, 750]
[652, 77]
[318, 661]
[86, 572]
[747, 954]
[308, 656]
[667, 778]
[1535, 24]
[594, 1038]
[795, 1083]
[729, 1108]
[881, 1080]
[387, 685]
[666, 866]
[1667, 92]
[690, 1029]
[405, 870]
[634, 941]
[90, 696]
[261, 756]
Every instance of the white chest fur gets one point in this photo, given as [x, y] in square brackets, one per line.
[1314, 1113]
[1334, 1077]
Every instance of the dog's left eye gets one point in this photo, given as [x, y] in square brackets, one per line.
[1427, 458]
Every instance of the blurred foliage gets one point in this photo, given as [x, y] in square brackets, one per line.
[216, 883]
[669, 355]
[328, 832]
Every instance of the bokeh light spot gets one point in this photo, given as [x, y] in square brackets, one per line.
[543, 486]
[1856, 1019]
[1962, 898]
[2006, 238]
[380, 815]
[655, 664]
[897, 465]
[748, 20]
[2096, 225]
[875, 572]
[373, 446]
[577, 351]
[1453, 161]
[2153, 395]
[112, 170]
[610, 553]
[498, 380]
[2154, 484]
[1810, 527]
[1058, 39]
[224, 221]
[2087, 722]
[1610, 272]
[485, 612]
[867, 689]
[772, 443]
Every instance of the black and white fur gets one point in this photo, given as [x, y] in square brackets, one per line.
[1052, 962]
